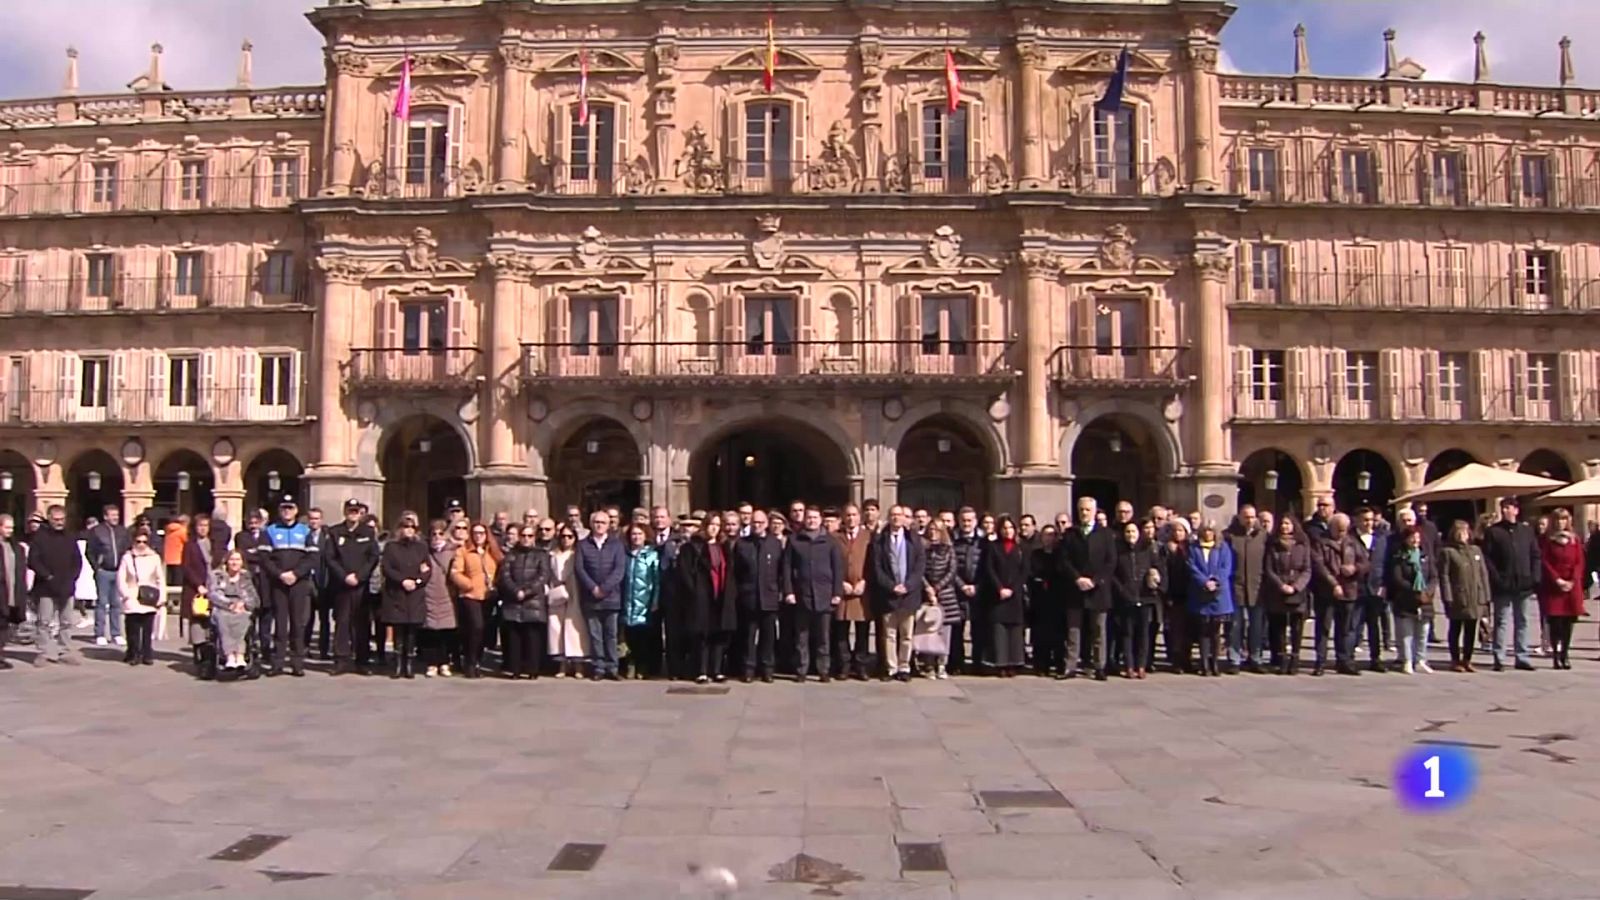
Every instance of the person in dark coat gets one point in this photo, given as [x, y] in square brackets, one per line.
[1247, 629]
[523, 580]
[349, 556]
[1409, 589]
[1135, 591]
[708, 591]
[54, 560]
[1003, 591]
[1368, 612]
[1463, 592]
[1511, 550]
[404, 608]
[1047, 618]
[601, 564]
[1561, 569]
[1172, 558]
[13, 582]
[1087, 558]
[896, 563]
[758, 572]
[1285, 575]
[813, 577]
[201, 556]
[967, 542]
[1339, 568]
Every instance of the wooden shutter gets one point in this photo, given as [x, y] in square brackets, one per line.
[205, 291]
[155, 382]
[166, 285]
[456, 162]
[119, 286]
[67, 378]
[1145, 162]
[1391, 397]
[297, 376]
[733, 138]
[1241, 382]
[386, 333]
[459, 355]
[1335, 394]
[1296, 372]
[1519, 383]
[1088, 309]
[560, 133]
[211, 398]
[117, 399]
[912, 113]
[1376, 173]
[1555, 187]
[1569, 385]
[1086, 161]
[1480, 385]
[731, 310]
[624, 131]
[397, 152]
[1430, 385]
[977, 125]
[1518, 278]
[800, 130]
[1558, 298]
[909, 314]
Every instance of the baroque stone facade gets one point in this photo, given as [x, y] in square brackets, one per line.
[682, 288]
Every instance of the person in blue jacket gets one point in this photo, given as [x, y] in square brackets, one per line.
[288, 566]
[1210, 592]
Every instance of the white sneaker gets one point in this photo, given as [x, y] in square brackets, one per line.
[1406, 668]
[430, 672]
[120, 641]
[942, 675]
[444, 672]
[101, 642]
[1424, 668]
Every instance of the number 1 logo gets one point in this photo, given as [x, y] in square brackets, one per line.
[1435, 778]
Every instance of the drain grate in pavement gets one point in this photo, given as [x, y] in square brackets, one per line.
[249, 848]
[1024, 799]
[700, 690]
[276, 875]
[923, 858]
[23, 892]
[576, 858]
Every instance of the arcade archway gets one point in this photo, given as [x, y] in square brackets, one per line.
[272, 476]
[1443, 512]
[944, 465]
[1363, 478]
[425, 464]
[769, 463]
[94, 481]
[1270, 479]
[1115, 458]
[184, 484]
[595, 467]
[16, 486]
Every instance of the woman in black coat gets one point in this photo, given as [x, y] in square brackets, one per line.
[1286, 574]
[404, 606]
[523, 580]
[1172, 557]
[1135, 591]
[709, 597]
[1003, 584]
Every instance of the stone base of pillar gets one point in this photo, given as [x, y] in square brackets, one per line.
[1214, 493]
[136, 502]
[1041, 495]
[512, 492]
[328, 491]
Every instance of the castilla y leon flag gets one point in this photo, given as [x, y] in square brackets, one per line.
[769, 75]
[402, 97]
[583, 87]
[952, 80]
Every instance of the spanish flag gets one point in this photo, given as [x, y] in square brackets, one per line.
[952, 81]
[769, 76]
[583, 87]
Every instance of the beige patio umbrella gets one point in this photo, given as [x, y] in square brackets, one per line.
[1476, 481]
[1579, 492]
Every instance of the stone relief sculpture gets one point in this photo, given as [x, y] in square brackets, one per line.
[698, 166]
[837, 168]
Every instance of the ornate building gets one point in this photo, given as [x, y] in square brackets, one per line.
[601, 262]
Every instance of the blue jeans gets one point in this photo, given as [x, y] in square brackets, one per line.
[602, 641]
[107, 605]
[1247, 633]
[1509, 610]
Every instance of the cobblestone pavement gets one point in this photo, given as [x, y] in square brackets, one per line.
[124, 783]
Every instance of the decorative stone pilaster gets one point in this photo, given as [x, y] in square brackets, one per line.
[1201, 56]
[1030, 58]
[511, 155]
[342, 278]
[348, 68]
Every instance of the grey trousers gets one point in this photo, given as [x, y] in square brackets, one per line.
[54, 620]
[1077, 620]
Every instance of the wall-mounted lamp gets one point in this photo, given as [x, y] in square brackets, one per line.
[591, 447]
[749, 462]
[1115, 442]
[94, 481]
[185, 482]
[7, 481]
[1270, 482]
[1363, 481]
[274, 481]
[944, 445]
[424, 446]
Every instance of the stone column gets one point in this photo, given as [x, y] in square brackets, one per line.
[511, 156]
[1215, 485]
[333, 478]
[340, 174]
[1041, 488]
[231, 502]
[1029, 112]
[502, 482]
[1202, 58]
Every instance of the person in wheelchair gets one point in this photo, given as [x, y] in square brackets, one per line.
[233, 601]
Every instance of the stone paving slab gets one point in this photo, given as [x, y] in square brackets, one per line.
[124, 782]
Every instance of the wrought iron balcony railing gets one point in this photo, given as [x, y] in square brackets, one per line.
[66, 296]
[91, 196]
[1417, 291]
[1419, 186]
[412, 369]
[173, 405]
[1412, 403]
[800, 362]
[1119, 365]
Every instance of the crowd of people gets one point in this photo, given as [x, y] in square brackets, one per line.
[809, 592]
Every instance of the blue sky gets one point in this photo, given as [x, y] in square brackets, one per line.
[202, 39]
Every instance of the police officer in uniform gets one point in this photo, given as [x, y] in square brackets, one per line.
[350, 553]
[288, 565]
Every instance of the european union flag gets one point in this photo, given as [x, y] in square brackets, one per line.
[1112, 101]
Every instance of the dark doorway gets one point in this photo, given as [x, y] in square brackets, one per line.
[943, 466]
[94, 481]
[1363, 478]
[770, 466]
[1115, 459]
[1443, 512]
[270, 477]
[16, 486]
[184, 483]
[425, 466]
[595, 467]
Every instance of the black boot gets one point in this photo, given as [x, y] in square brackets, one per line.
[399, 666]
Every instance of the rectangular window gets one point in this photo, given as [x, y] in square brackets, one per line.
[1114, 157]
[94, 382]
[1446, 187]
[1118, 327]
[1355, 177]
[594, 326]
[1266, 273]
[190, 269]
[423, 327]
[285, 178]
[1541, 378]
[1452, 381]
[768, 141]
[277, 379]
[104, 182]
[192, 181]
[944, 143]
[1450, 276]
[427, 152]
[1538, 281]
[1266, 376]
[1360, 276]
[277, 274]
[594, 145]
[1360, 376]
[769, 326]
[1536, 181]
[102, 271]
[946, 324]
[183, 381]
[1264, 173]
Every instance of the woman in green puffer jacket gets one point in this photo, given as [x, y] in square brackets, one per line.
[641, 600]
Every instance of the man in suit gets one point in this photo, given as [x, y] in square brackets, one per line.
[813, 576]
[853, 615]
[758, 564]
[1370, 606]
[897, 561]
[600, 565]
[1087, 557]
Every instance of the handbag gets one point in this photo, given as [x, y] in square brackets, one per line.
[149, 596]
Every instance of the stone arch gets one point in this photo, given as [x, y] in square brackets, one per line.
[1549, 464]
[797, 445]
[259, 479]
[570, 418]
[185, 484]
[84, 497]
[424, 461]
[719, 424]
[1274, 479]
[1382, 480]
[1119, 455]
[1163, 434]
[1446, 461]
[944, 462]
[982, 426]
[391, 413]
[596, 462]
[18, 481]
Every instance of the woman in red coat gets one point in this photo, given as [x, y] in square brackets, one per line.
[1561, 584]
